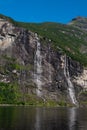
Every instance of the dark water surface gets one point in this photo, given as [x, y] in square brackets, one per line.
[36, 118]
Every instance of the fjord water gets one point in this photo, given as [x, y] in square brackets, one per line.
[41, 118]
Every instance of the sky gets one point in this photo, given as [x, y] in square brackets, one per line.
[62, 11]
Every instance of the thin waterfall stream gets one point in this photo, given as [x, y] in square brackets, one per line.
[38, 67]
[70, 84]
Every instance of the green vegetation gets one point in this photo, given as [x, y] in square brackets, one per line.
[9, 93]
[70, 39]
[67, 37]
[33, 100]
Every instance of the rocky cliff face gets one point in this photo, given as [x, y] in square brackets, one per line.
[39, 72]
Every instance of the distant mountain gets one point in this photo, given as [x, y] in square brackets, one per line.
[80, 22]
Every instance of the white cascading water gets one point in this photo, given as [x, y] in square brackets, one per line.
[70, 85]
[38, 67]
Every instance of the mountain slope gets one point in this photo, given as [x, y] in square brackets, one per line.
[44, 68]
[71, 38]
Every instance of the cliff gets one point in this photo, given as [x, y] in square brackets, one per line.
[35, 70]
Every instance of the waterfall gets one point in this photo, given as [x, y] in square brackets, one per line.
[38, 67]
[70, 85]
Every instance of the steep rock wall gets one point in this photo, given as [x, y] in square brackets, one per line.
[18, 56]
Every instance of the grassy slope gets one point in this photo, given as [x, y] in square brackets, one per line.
[68, 37]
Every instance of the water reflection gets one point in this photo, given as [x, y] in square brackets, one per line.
[31, 118]
[51, 119]
[38, 119]
[72, 119]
